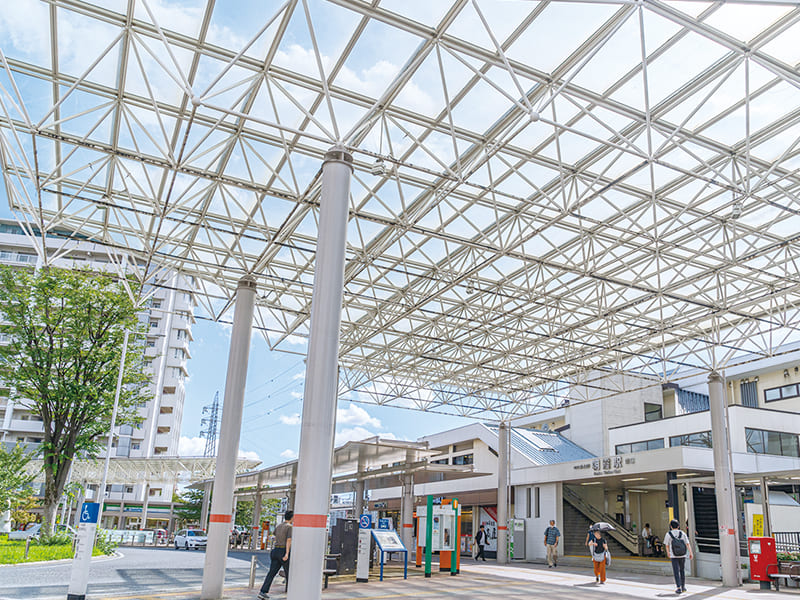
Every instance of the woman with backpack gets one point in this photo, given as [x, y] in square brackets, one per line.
[599, 547]
[678, 548]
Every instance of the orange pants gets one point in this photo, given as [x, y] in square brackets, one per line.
[600, 569]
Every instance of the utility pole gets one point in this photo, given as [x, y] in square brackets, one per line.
[211, 423]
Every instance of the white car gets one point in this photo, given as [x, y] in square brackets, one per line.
[190, 538]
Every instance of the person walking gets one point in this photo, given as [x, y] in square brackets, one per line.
[599, 546]
[678, 548]
[551, 537]
[480, 540]
[279, 556]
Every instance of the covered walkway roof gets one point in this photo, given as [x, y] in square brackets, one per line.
[545, 192]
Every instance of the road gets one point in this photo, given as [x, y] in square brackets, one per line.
[138, 570]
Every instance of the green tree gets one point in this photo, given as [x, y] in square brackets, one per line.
[66, 329]
[21, 509]
[190, 506]
[244, 513]
[14, 478]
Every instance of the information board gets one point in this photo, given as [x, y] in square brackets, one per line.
[84, 543]
[388, 541]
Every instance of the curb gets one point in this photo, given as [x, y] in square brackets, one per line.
[62, 561]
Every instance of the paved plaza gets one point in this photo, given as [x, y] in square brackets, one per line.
[507, 582]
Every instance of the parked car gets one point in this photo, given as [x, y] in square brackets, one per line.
[31, 530]
[190, 538]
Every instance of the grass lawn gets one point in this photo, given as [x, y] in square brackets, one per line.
[12, 552]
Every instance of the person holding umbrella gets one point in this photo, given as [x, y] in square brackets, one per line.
[599, 548]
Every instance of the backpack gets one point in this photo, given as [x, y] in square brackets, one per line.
[678, 545]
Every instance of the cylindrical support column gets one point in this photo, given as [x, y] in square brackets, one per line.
[207, 486]
[312, 501]
[360, 485]
[725, 513]
[407, 511]
[145, 506]
[502, 494]
[290, 495]
[221, 517]
[765, 507]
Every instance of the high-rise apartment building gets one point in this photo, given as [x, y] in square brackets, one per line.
[168, 317]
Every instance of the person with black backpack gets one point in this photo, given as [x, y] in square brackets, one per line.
[678, 548]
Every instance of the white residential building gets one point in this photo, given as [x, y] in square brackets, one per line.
[169, 316]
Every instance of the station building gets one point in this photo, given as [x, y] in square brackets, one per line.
[636, 457]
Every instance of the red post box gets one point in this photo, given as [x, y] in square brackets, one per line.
[763, 559]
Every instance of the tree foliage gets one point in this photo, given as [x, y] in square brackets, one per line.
[189, 506]
[66, 329]
[14, 478]
[22, 509]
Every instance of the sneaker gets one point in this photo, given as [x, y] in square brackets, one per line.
[597, 579]
[678, 591]
[683, 589]
[263, 596]
[549, 566]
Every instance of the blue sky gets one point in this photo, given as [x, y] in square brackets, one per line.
[273, 401]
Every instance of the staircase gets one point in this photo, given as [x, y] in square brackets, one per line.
[575, 527]
[584, 515]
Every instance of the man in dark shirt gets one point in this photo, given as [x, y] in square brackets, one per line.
[279, 557]
[480, 540]
[551, 535]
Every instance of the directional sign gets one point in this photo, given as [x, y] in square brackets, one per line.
[385, 524]
[365, 522]
[84, 542]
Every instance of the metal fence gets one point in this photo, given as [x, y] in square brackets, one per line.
[787, 541]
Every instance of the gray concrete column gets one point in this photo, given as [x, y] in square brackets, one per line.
[207, 487]
[407, 511]
[765, 507]
[692, 525]
[290, 495]
[221, 516]
[358, 492]
[502, 494]
[257, 502]
[314, 469]
[145, 506]
[726, 517]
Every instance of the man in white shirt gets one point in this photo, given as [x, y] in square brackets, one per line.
[678, 548]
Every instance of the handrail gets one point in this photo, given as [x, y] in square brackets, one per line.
[625, 537]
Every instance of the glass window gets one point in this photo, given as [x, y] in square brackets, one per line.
[701, 439]
[640, 446]
[779, 443]
[466, 459]
[652, 412]
[782, 393]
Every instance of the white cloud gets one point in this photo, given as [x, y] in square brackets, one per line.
[290, 419]
[355, 434]
[297, 395]
[249, 454]
[191, 446]
[289, 454]
[297, 376]
[357, 416]
[196, 446]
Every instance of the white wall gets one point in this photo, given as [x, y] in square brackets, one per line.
[663, 428]
[550, 507]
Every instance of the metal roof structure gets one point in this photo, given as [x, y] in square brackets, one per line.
[545, 193]
[546, 448]
[171, 469]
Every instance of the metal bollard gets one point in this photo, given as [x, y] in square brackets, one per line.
[252, 583]
[28, 547]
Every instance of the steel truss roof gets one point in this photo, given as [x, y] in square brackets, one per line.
[545, 193]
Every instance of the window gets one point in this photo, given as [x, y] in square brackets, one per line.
[640, 446]
[180, 334]
[128, 489]
[151, 343]
[528, 503]
[701, 439]
[652, 412]
[465, 459]
[136, 445]
[156, 303]
[179, 353]
[537, 503]
[772, 442]
[441, 461]
[153, 324]
[782, 393]
[749, 393]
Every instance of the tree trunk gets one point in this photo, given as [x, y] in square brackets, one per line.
[54, 480]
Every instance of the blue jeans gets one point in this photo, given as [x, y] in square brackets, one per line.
[275, 563]
[678, 565]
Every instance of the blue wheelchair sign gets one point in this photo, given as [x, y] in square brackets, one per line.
[365, 522]
[90, 511]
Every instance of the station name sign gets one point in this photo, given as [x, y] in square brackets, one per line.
[606, 465]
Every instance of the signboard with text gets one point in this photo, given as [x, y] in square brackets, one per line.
[84, 543]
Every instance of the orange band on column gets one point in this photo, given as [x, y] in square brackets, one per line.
[501, 527]
[310, 521]
[219, 518]
[408, 524]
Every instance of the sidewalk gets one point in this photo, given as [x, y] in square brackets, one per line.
[513, 582]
